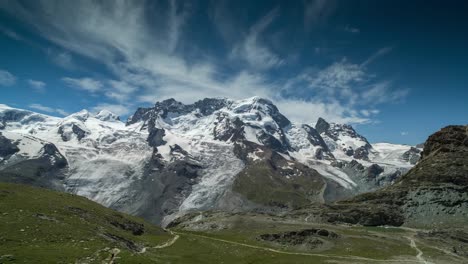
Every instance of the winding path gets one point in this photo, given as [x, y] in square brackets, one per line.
[300, 253]
[168, 243]
[419, 256]
[164, 245]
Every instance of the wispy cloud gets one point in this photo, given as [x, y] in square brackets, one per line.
[37, 85]
[86, 84]
[252, 50]
[351, 29]
[46, 109]
[379, 53]
[382, 92]
[145, 57]
[120, 90]
[10, 33]
[6, 78]
[62, 58]
[118, 109]
[404, 133]
[176, 18]
[344, 91]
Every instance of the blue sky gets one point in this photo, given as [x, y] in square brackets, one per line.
[397, 70]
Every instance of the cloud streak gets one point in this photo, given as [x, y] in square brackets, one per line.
[47, 109]
[148, 61]
[37, 85]
[6, 78]
[86, 84]
[252, 50]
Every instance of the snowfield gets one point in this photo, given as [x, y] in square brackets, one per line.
[106, 156]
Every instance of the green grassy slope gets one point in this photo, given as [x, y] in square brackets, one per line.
[42, 226]
[354, 244]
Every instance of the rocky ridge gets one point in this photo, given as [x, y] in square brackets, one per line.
[214, 154]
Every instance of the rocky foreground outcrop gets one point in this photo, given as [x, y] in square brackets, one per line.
[432, 194]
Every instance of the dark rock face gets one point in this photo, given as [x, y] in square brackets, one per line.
[356, 165]
[270, 141]
[22, 116]
[162, 188]
[315, 139]
[155, 137]
[334, 131]
[449, 139]
[412, 155]
[368, 215]
[457, 239]
[62, 134]
[362, 152]
[349, 152]
[444, 158]
[373, 171]
[7, 147]
[170, 106]
[46, 171]
[13, 116]
[52, 153]
[280, 119]
[309, 238]
[123, 242]
[227, 129]
[312, 238]
[137, 229]
[275, 182]
[322, 126]
[80, 133]
[66, 136]
[338, 164]
[208, 106]
[141, 114]
[433, 193]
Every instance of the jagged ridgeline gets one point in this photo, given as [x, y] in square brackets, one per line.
[433, 194]
[215, 154]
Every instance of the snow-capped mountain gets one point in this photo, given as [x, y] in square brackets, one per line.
[214, 154]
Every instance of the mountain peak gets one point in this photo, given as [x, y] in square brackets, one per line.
[106, 115]
[322, 125]
[5, 107]
[82, 115]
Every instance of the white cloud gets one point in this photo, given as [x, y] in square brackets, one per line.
[404, 133]
[62, 58]
[142, 54]
[48, 109]
[10, 33]
[379, 53]
[61, 112]
[252, 50]
[382, 92]
[309, 111]
[346, 82]
[37, 85]
[120, 90]
[41, 108]
[369, 112]
[176, 19]
[118, 109]
[87, 84]
[351, 29]
[6, 78]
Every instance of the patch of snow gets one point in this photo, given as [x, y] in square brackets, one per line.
[333, 173]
